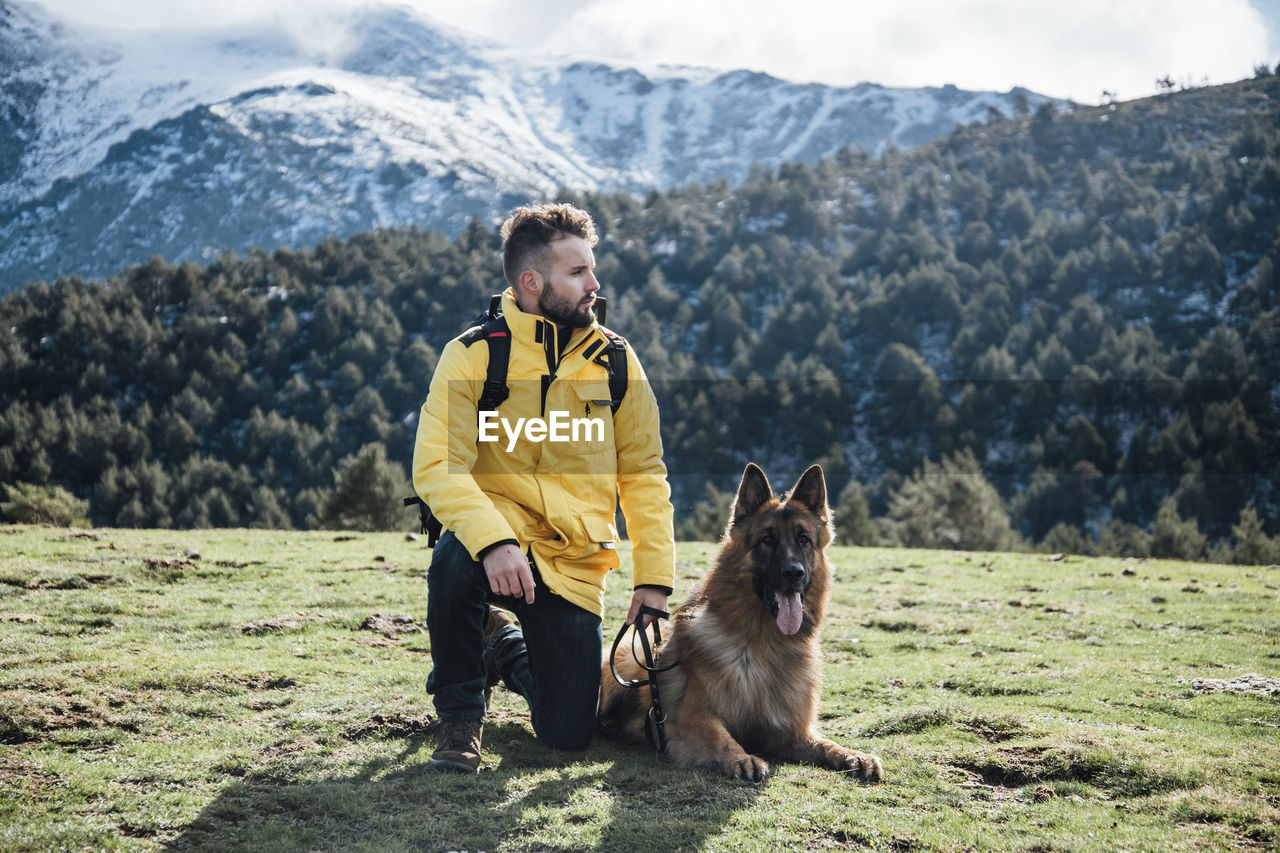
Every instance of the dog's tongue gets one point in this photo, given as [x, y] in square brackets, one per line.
[790, 612]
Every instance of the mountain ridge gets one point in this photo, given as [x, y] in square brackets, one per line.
[122, 151]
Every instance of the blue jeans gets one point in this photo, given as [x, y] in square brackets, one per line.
[552, 658]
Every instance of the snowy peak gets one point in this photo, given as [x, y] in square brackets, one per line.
[97, 86]
[389, 40]
[115, 146]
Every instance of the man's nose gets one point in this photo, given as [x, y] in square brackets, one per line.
[593, 284]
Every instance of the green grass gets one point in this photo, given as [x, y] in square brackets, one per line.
[246, 698]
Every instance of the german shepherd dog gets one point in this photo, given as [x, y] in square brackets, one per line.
[750, 668]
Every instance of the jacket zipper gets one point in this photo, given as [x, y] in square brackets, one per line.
[551, 347]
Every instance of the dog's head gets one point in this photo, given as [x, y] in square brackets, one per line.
[785, 539]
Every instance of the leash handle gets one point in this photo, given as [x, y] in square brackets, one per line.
[646, 610]
[648, 665]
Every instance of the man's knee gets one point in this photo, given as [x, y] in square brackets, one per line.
[568, 726]
[567, 739]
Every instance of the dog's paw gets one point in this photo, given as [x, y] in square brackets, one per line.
[864, 766]
[747, 767]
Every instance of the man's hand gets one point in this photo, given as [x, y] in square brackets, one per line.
[509, 574]
[655, 598]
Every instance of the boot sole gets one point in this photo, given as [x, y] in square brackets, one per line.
[453, 766]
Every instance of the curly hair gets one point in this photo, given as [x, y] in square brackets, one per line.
[531, 229]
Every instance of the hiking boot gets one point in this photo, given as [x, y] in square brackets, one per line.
[495, 619]
[458, 746]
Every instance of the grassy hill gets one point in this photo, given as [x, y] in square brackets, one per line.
[1086, 301]
[235, 689]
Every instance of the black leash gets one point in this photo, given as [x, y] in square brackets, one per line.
[655, 724]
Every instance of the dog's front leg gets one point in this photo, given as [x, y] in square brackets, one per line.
[816, 749]
[701, 740]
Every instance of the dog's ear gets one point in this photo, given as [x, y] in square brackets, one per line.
[753, 493]
[811, 491]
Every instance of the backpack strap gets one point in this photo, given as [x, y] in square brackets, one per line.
[427, 521]
[614, 359]
[492, 327]
[498, 335]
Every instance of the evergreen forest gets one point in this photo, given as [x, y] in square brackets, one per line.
[1057, 330]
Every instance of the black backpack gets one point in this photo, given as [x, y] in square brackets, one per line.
[491, 327]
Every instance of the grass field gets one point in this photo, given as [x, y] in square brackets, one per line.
[252, 690]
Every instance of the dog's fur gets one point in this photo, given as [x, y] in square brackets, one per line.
[750, 668]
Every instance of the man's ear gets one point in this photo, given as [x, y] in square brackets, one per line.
[530, 282]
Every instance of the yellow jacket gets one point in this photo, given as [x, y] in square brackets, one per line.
[555, 498]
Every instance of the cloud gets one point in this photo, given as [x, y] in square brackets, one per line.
[159, 14]
[1065, 49]
[1072, 50]
[312, 28]
[1270, 11]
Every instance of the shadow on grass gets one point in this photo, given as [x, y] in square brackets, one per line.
[610, 798]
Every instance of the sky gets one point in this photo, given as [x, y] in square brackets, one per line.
[1074, 49]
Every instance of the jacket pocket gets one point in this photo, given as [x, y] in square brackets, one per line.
[600, 531]
[587, 445]
[592, 394]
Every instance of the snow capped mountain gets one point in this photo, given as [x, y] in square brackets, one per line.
[117, 146]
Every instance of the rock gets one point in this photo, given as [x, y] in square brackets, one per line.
[271, 626]
[157, 564]
[1261, 685]
[279, 624]
[390, 626]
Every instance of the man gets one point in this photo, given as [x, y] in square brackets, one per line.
[527, 497]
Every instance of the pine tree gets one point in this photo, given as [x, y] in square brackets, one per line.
[950, 504]
[26, 503]
[367, 493]
[706, 520]
[1123, 539]
[1252, 546]
[852, 517]
[1174, 537]
[1065, 539]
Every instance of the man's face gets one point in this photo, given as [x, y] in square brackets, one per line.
[568, 283]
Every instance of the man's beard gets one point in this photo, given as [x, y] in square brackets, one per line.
[564, 312]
